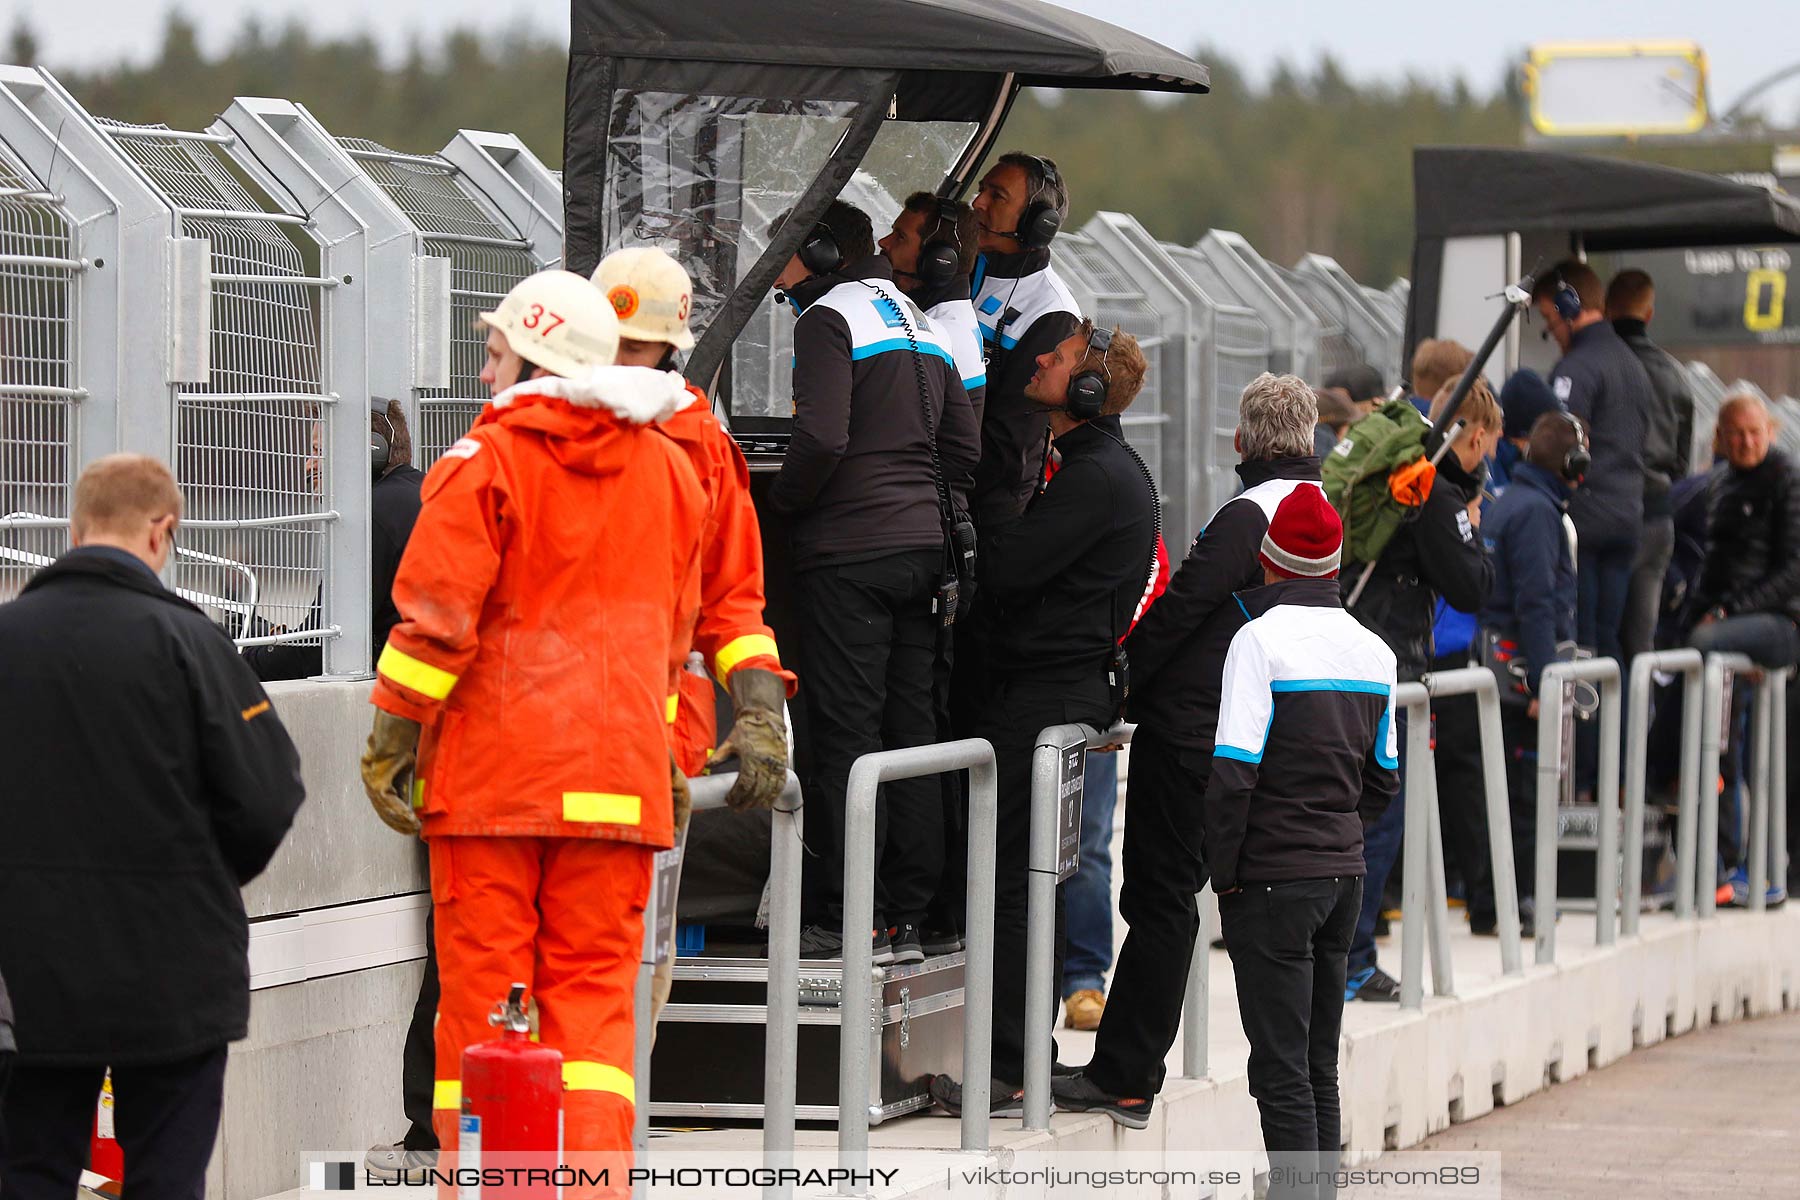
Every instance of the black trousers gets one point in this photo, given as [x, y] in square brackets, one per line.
[870, 640]
[166, 1116]
[1462, 795]
[418, 1059]
[1018, 710]
[1162, 872]
[1520, 735]
[1289, 945]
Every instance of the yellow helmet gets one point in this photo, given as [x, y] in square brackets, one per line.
[557, 320]
[650, 293]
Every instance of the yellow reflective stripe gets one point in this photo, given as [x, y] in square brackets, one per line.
[751, 645]
[599, 1077]
[672, 708]
[409, 672]
[603, 808]
[447, 1093]
[418, 793]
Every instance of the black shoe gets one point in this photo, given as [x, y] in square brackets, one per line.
[1382, 926]
[905, 942]
[941, 941]
[1004, 1099]
[1078, 1093]
[1372, 983]
[1217, 943]
[823, 943]
[1483, 924]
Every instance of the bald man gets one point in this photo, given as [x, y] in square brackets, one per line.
[148, 780]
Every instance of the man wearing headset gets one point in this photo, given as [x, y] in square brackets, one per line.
[884, 439]
[1025, 311]
[1064, 582]
[1532, 605]
[932, 250]
[1601, 381]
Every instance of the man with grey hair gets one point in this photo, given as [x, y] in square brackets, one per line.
[1178, 659]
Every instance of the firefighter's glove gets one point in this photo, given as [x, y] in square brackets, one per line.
[758, 739]
[678, 793]
[386, 766]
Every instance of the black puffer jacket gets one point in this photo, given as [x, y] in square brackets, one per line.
[1668, 420]
[1752, 560]
[1438, 554]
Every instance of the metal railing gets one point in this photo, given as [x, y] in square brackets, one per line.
[869, 772]
[1040, 901]
[1767, 818]
[1715, 715]
[1691, 668]
[1605, 672]
[781, 1051]
[1423, 868]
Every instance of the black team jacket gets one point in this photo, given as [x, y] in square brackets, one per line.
[1178, 647]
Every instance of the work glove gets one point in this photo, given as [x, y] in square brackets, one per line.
[393, 745]
[758, 739]
[679, 794]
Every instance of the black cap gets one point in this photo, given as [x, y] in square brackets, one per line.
[1524, 399]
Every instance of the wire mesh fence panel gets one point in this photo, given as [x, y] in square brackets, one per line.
[253, 545]
[1337, 348]
[486, 259]
[1707, 390]
[38, 391]
[1120, 301]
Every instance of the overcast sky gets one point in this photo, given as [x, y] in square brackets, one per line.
[1744, 39]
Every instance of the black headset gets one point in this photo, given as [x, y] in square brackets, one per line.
[380, 448]
[1040, 222]
[1087, 388]
[1566, 300]
[819, 253]
[940, 258]
[1576, 462]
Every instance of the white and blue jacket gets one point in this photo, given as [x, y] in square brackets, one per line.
[1306, 750]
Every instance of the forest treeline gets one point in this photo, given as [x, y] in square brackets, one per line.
[1309, 159]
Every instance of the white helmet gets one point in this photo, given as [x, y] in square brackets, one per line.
[556, 320]
[650, 293]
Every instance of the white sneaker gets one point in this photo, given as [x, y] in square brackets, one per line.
[396, 1161]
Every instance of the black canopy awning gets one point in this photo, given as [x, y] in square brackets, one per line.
[1610, 204]
[1041, 44]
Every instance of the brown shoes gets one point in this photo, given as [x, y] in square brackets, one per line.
[1083, 1009]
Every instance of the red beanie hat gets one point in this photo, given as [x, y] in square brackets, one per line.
[1305, 536]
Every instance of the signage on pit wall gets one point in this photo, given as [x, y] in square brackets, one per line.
[1723, 295]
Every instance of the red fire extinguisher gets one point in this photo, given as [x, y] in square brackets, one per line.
[511, 1108]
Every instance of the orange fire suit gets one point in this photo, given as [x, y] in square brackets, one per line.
[547, 600]
[730, 633]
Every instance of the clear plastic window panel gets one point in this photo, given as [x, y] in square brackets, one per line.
[487, 258]
[252, 546]
[906, 157]
[37, 396]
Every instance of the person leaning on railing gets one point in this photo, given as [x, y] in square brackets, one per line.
[1747, 598]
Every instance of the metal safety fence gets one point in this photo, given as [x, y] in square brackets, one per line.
[781, 1013]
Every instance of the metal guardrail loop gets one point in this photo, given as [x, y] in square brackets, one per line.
[1423, 848]
[1689, 665]
[855, 1061]
[1715, 702]
[781, 1052]
[1605, 672]
[1040, 904]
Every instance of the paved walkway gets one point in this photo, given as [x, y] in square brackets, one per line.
[1714, 1113]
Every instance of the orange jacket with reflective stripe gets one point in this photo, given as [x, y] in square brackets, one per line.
[730, 632]
[547, 599]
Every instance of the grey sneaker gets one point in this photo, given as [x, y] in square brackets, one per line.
[395, 1162]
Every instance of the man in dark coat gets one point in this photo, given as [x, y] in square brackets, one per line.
[149, 780]
[1599, 380]
[1668, 443]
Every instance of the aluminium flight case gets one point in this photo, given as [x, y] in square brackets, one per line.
[708, 1059]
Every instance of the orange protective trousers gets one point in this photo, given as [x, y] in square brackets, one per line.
[565, 916]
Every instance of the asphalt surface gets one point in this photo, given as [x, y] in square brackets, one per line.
[1714, 1113]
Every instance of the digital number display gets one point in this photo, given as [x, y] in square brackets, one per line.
[1722, 296]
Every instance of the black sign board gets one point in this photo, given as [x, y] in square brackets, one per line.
[1071, 768]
